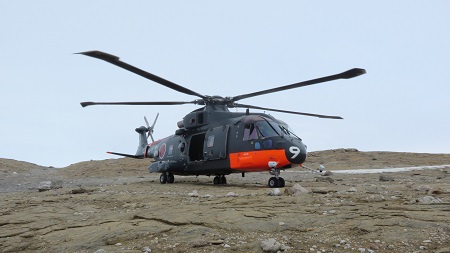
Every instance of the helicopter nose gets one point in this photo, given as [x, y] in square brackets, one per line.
[295, 152]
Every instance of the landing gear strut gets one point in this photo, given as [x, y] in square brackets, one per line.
[166, 177]
[276, 181]
[221, 179]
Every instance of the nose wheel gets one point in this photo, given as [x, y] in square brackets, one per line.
[276, 181]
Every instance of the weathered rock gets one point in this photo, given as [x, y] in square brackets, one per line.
[194, 193]
[352, 190]
[386, 178]
[443, 250]
[436, 191]
[324, 179]
[270, 245]
[232, 194]
[426, 200]
[275, 192]
[44, 186]
[50, 185]
[295, 190]
[78, 191]
[327, 173]
[285, 248]
[374, 247]
[200, 244]
[320, 190]
[217, 242]
[147, 249]
[423, 188]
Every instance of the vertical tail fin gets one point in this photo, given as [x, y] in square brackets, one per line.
[142, 140]
[144, 133]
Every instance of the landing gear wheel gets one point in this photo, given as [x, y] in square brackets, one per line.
[170, 178]
[163, 178]
[281, 182]
[220, 179]
[273, 182]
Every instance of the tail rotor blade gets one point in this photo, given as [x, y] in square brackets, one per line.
[151, 128]
[146, 122]
[151, 136]
[154, 122]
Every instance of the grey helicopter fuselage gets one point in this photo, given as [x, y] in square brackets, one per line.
[211, 142]
[214, 141]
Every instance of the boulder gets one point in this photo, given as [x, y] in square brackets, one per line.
[296, 190]
[275, 192]
[327, 173]
[423, 188]
[270, 245]
[427, 200]
[324, 179]
[320, 190]
[386, 178]
[50, 185]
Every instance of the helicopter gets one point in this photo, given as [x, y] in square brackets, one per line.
[214, 141]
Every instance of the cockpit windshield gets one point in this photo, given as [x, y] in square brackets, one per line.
[260, 128]
[287, 130]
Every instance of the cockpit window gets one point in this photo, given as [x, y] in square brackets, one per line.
[260, 129]
[250, 132]
[265, 129]
[288, 131]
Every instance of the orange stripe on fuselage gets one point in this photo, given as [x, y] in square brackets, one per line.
[257, 160]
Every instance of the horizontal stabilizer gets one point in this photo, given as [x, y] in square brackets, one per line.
[127, 155]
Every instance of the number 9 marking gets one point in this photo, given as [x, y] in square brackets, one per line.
[294, 150]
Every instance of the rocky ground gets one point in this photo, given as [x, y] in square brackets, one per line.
[117, 206]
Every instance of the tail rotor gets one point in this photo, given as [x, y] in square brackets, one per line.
[151, 128]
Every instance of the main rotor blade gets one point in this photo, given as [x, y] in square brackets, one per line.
[116, 61]
[291, 112]
[344, 75]
[84, 104]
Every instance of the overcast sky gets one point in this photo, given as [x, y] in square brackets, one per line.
[222, 48]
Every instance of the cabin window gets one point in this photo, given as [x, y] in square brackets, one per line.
[250, 132]
[170, 150]
[182, 147]
[210, 141]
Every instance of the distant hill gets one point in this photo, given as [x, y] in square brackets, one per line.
[341, 159]
[17, 166]
[332, 160]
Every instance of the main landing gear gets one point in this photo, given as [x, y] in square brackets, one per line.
[167, 177]
[221, 179]
[276, 181]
